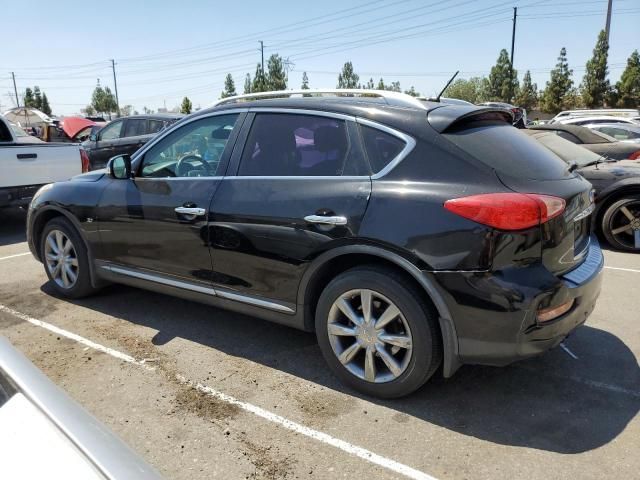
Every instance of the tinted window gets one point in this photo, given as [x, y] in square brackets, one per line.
[135, 127]
[194, 150]
[567, 151]
[619, 133]
[295, 145]
[381, 147]
[156, 125]
[567, 136]
[508, 150]
[111, 131]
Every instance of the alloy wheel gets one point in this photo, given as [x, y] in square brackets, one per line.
[369, 336]
[61, 259]
[625, 225]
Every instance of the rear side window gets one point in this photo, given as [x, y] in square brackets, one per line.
[508, 150]
[568, 136]
[295, 145]
[111, 131]
[381, 147]
[135, 127]
[156, 125]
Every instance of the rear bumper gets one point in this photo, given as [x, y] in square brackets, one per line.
[17, 196]
[494, 313]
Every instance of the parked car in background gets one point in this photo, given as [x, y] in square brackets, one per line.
[622, 132]
[617, 189]
[610, 112]
[594, 120]
[411, 237]
[45, 434]
[519, 113]
[124, 136]
[27, 163]
[593, 140]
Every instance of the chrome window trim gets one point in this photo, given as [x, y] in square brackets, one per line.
[150, 277]
[410, 144]
[218, 177]
[180, 123]
[301, 177]
[301, 111]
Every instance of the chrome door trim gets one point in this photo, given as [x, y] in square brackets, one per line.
[301, 111]
[198, 212]
[150, 277]
[328, 220]
[409, 141]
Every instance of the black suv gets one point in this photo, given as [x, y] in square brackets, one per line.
[407, 235]
[124, 136]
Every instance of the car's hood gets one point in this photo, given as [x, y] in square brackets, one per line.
[91, 176]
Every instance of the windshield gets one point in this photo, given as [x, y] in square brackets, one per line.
[566, 150]
[17, 131]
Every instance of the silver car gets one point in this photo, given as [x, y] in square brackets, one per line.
[623, 132]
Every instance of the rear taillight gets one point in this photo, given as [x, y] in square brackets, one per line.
[635, 155]
[84, 160]
[507, 211]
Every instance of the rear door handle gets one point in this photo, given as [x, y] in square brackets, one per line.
[198, 212]
[334, 220]
[26, 156]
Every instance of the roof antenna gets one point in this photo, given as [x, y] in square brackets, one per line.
[447, 85]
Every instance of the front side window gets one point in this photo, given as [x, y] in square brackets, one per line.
[294, 145]
[193, 150]
[111, 131]
[156, 125]
[135, 127]
[381, 147]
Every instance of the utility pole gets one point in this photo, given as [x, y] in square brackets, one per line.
[262, 53]
[513, 39]
[115, 86]
[608, 28]
[15, 89]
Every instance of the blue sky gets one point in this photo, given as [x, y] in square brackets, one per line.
[165, 50]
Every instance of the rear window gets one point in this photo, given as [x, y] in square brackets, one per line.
[381, 147]
[507, 150]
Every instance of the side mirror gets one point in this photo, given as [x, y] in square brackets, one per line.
[120, 167]
[93, 137]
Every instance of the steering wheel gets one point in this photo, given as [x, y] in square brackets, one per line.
[188, 160]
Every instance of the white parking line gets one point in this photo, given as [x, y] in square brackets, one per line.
[623, 269]
[258, 411]
[14, 256]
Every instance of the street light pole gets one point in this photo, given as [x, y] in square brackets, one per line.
[15, 89]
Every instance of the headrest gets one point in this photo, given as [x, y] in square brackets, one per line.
[220, 134]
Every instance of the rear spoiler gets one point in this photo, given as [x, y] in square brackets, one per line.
[445, 117]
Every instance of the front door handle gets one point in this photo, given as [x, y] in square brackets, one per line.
[197, 212]
[333, 220]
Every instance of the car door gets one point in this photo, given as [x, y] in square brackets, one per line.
[104, 147]
[302, 184]
[157, 222]
[134, 137]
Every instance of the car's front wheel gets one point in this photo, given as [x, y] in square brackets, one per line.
[377, 333]
[65, 259]
[621, 224]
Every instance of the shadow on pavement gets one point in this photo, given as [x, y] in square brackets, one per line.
[12, 226]
[552, 402]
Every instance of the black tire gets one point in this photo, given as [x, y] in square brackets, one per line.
[426, 354]
[82, 286]
[614, 218]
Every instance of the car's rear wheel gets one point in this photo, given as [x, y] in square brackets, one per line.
[377, 333]
[65, 259]
[621, 224]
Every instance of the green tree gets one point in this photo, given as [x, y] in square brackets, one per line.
[126, 110]
[527, 97]
[628, 88]
[276, 75]
[503, 79]
[186, 106]
[37, 98]
[472, 90]
[555, 95]
[28, 98]
[348, 78]
[370, 84]
[305, 81]
[595, 85]
[88, 111]
[259, 81]
[44, 106]
[412, 92]
[381, 85]
[394, 87]
[103, 100]
[229, 87]
[247, 84]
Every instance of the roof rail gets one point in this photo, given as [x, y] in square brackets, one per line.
[391, 98]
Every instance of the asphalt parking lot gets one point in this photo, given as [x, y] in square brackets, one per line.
[214, 394]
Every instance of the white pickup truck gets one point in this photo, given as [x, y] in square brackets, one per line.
[27, 163]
